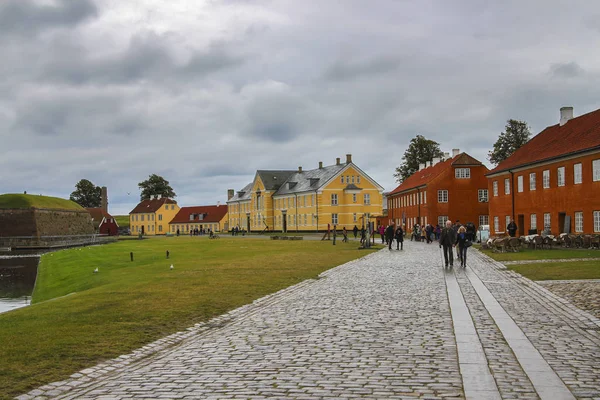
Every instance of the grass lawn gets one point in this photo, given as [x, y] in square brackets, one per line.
[94, 317]
[122, 220]
[559, 270]
[29, 201]
[554, 254]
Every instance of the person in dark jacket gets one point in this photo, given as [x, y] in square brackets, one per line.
[355, 230]
[447, 240]
[512, 228]
[461, 239]
[389, 235]
[399, 238]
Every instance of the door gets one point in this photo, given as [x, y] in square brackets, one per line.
[521, 224]
[564, 226]
[248, 222]
[284, 228]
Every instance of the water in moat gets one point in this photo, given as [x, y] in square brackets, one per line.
[17, 279]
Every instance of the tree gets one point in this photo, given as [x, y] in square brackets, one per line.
[516, 134]
[87, 194]
[154, 185]
[420, 150]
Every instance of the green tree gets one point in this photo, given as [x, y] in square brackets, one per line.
[516, 134]
[155, 185]
[420, 150]
[87, 194]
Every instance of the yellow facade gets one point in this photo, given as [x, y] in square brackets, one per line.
[153, 223]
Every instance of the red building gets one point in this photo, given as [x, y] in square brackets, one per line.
[453, 188]
[203, 218]
[104, 223]
[552, 183]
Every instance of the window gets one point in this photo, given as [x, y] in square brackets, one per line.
[533, 221]
[577, 173]
[358, 179]
[546, 221]
[334, 199]
[367, 198]
[352, 178]
[442, 196]
[579, 221]
[496, 224]
[442, 220]
[142, 217]
[546, 179]
[507, 186]
[482, 195]
[596, 221]
[560, 176]
[305, 220]
[347, 178]
[354, 217]
[421, 199]
[520, 183]
[507, 219]
[160, 228]
[424, 197]
[334, 219]
[354, 197]
[532, 181]
[495, 187]
[484, 220]
[462, 173]
[596, 170]
[342, 179]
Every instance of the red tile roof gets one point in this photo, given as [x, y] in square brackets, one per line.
[211, 214]
[150, 206]
[97, 214]
[423, 177]
[578, 134]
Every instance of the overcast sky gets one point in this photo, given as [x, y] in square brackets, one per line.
[205, 92]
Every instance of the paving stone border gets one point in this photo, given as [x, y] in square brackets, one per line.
[549, 261]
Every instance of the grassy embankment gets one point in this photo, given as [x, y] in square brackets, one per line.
[553, 270]
[122, 220]
[33, 201]
[94, 317]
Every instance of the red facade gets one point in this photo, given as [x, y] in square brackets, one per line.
[552, 183]
[104, 223]
[454, 189]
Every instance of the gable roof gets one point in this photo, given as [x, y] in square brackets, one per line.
[211, 214]
[243, 194]
[273, 179]
[423, 177]
[150, 206]
[98, 213]
[310, 180]
[577, 135]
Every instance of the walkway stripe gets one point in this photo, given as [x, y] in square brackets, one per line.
[545, 381]
[478, 381]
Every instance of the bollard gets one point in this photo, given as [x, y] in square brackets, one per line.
[334, 234]
[131, 255]
[167, 254]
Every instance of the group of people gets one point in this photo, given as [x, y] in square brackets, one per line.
[428, 233]
[453, 235]
[391, 233]
[236, 231]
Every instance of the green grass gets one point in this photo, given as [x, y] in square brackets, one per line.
[559, 270]
[79, 318]
[122, 220]
[33, 201]
[554, 254]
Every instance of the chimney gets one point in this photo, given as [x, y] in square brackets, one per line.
[104, 199]
[230, 194]
[446, 156]
[435, 160]
[566, 113]
[455, 152]
[299, 170]
[337, 161]
[348, 158]
[421, 166]
[320, 164]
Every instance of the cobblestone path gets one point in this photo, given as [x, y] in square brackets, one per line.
[381, 327]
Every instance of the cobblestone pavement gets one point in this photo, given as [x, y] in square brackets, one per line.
[584, 293]
[550, 261]
[379, 327]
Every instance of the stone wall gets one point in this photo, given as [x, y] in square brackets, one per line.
[42, 222]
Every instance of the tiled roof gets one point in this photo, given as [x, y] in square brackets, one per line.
[243, 194]
[273, 179]
[150, 206]
[97, 214]
[210, 214]
[578, 134]
[318, 177]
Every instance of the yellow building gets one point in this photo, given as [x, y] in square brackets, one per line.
[341, 195]
[152, 217]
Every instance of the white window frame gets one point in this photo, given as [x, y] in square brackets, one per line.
[506, 186]
[533, 221]
[596, 221]
[495, 188]
[496, 224]
[484, 220]
[578, 221]
[367, 199]
[546, 179]
[532, 181]
[334, 199]
[354, 197]
[354, 217]
[560, 176]
[547, 221]
[358, 179]
[334, 219]
[482, 196]
[520, 183]
[462, 173]
[507, 220]
[577, 173]
[442, 220]
[424, 197]
[596, 170]
[442, 196]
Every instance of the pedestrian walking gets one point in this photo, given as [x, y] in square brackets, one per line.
[512, 228]
[345, 233]
[461, 241]
[447, 240]
[389, 235]
[328, 233]
[399, 238]
[355, 230]
[382, 233]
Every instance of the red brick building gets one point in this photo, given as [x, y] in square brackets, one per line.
[553, 181]
[454, 188]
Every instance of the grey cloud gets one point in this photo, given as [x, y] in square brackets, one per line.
[566, 70]
[27, 17]
[342, 70]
